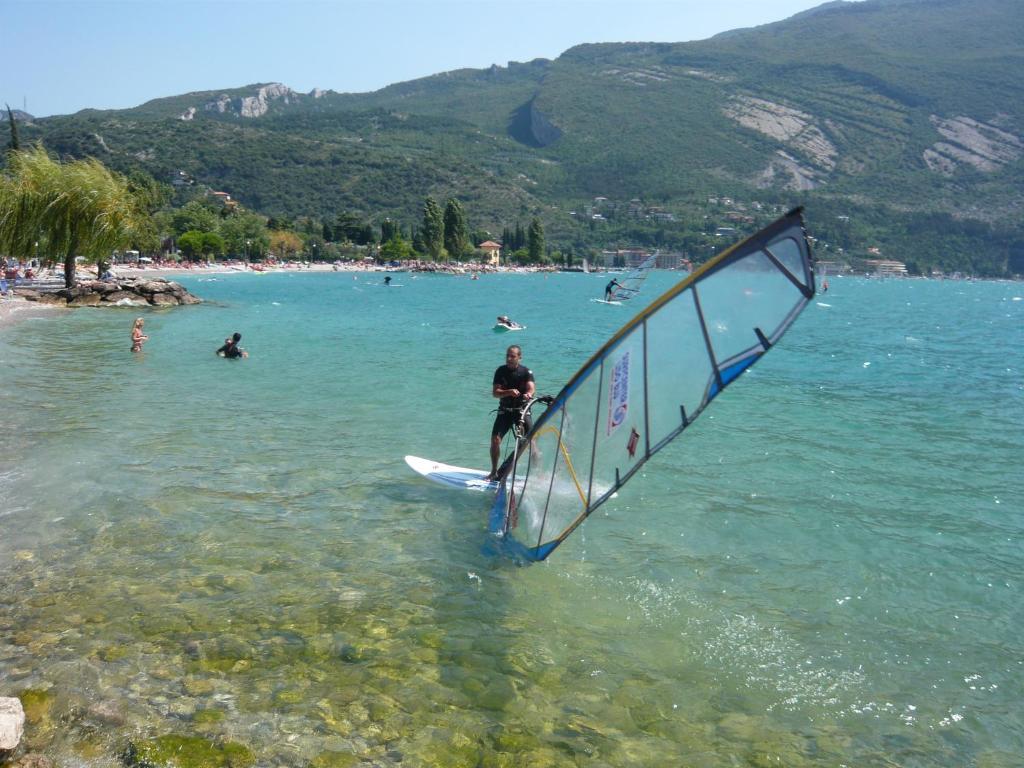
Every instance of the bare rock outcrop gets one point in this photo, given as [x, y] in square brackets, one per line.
[12, 723]
[127, 292]
[967, 141]
[788, 126]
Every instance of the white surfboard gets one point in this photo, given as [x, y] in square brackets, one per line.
[602, 301]
[453, 477]
[499, 328]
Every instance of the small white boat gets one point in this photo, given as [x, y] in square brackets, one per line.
[502, 328]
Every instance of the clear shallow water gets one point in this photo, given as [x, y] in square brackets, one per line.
[825, 570]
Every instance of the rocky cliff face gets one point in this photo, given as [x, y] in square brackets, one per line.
[966, 141]
[798, 133]
[256, 105]
[528, 125]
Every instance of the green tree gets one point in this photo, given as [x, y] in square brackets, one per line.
[191, 243]
[535, 238]
[348, 228]
[78, 208]
[365, 235]
[284, 244]
[388, 229]
[396, 249]
[15, 142]
[213, 244]
[245, 234]
[195, 215]
[281, 224]
[433, 228]
[456, 236]
[418, 243]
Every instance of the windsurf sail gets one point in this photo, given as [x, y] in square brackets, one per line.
[629, 286]
[651, 381]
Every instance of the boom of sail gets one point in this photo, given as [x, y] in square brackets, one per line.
[629, 286]
[649, 382]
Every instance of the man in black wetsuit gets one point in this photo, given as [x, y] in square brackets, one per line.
[608, 289]
[514, 385]
[231, 348]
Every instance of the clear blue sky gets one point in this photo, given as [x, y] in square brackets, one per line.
[111, 54]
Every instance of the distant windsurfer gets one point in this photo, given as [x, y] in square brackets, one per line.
[609, 288]
[514, 385]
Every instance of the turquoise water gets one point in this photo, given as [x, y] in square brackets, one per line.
[825, 570]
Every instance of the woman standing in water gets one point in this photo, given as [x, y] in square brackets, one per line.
[138, 337]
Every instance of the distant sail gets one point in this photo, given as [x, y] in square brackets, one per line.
[649, 382]
[629, 286]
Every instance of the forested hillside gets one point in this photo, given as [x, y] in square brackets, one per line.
[898, 123]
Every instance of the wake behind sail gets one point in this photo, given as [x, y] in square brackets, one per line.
[629, 286]
[649, 382]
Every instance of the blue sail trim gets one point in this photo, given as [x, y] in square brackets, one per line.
[730, 374]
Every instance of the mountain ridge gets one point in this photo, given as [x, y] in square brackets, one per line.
[911, 106]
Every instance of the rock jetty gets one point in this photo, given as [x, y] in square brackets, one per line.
[126, 292]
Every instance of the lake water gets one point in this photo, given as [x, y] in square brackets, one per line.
[825, 570]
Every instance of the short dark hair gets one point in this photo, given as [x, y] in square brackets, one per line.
[516, 347]
[236, 336]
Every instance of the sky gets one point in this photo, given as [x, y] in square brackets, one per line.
[115, 54]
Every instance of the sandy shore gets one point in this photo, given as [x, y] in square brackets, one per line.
[16, 309]
[171, 272]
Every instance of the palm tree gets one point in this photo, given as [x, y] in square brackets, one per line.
[80, 208]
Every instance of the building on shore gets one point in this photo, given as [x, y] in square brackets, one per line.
[492, 252]
[887, 267]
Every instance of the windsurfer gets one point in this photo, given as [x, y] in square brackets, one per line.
[514, 384]
[609, 288]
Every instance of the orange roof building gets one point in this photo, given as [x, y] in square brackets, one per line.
[492, 252]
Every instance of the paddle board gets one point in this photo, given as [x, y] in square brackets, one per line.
[453, 477]
[499, 328]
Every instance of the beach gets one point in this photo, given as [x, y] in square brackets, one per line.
[16, 309]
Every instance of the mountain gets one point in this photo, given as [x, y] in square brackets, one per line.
[902, 119]
[19, 116]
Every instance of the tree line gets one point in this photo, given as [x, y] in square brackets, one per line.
[58, 211]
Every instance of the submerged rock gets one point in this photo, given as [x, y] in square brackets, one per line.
[33, 760]
[12, 722]
[174, 751]
[37, 704]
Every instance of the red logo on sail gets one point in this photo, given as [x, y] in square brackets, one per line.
[634, 438]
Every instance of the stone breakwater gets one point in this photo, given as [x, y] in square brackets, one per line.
[127, 292]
